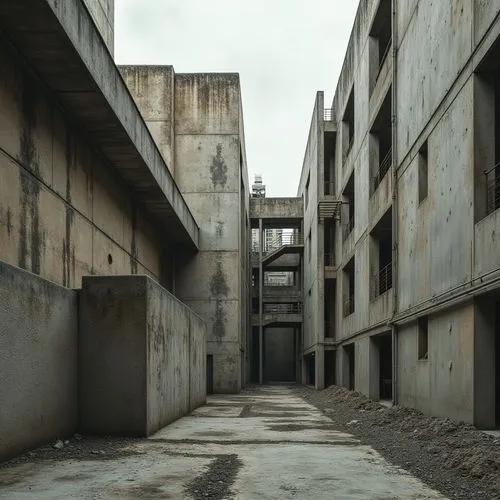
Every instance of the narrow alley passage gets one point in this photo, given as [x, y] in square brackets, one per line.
[265, 443]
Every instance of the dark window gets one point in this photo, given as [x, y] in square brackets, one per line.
[423, 338]
[423, 173]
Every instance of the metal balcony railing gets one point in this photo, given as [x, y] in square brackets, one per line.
[284, 239]
[329, 260]
[492, 188]
[279, 281]
[348, 305]
[382, 282]
[328, 114]
[282, 308]
[384, 57]
[329, 188]
[347, 229]
[383, 168]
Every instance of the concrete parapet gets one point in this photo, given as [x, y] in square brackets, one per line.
[142, 356]
[38, 361]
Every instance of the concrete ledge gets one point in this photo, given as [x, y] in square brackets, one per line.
[38, 361]
[60, 42]
[141, 354]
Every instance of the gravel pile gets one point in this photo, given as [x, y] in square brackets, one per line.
[451, 457]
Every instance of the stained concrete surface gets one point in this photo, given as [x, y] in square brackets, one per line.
[265, 443]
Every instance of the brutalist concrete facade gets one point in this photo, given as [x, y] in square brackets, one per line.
[406, 263]
[84, 191]
[197, 121]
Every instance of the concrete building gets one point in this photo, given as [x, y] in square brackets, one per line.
[400, 185]
[124, 249]
[197, 121]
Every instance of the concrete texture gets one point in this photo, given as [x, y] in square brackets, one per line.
[275, 445]
[103, 15]
[435, 97]
[76, 69]
[141, 356]
[38, 361]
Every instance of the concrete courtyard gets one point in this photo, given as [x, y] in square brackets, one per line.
[265, 443]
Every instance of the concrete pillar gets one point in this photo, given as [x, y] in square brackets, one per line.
[484, 363]
[261, 291]
[374, 369]
[320, 367]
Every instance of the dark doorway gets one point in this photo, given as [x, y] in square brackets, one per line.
[311, 369]
[254, 374]
[329, 368]
[210, 374]
[385, 367]
[279, 355]
[351, 369]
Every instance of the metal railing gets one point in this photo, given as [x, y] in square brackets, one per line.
[492, 189]
[348, 305]
[382, 282]
[283, 240]
[280, 280]
[383, 168]
[328, 114]
[329, 188]
[384, 57]
[347, 229]
[329, 259]
[282, 308]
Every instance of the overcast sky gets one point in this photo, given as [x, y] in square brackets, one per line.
[284, 51]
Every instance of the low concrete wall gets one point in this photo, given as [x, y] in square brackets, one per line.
[142, 356]
[38, 361]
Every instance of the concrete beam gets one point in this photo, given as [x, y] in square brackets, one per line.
[61, 44]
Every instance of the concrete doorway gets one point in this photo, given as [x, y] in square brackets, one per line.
[351, 368]
[385, 367]
[329, 368]
[279, 355]
[310, 361]
[210, 374]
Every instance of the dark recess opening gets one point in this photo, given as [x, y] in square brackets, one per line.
[497, 365]
[385, 366]
[350, 357]
[210, 374]
[311, 369]
[329, 368]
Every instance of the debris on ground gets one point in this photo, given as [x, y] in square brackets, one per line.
[454, 458]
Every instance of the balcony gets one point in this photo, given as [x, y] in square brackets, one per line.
[384, 167]
[348, 148]
[382, 282]
[279, 313]
[383, 58]
[492, 189]
[328, 114]
[348, 305]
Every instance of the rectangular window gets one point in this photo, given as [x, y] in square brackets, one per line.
[423, 173]
[423, 338]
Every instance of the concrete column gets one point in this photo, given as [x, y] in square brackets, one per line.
[320, 367]
[374, 369]
[261, 291]
[484, 363]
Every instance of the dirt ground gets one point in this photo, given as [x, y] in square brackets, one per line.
[454, 458]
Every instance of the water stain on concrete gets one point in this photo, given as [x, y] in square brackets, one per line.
[218, 168]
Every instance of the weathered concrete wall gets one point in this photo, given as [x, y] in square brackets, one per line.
[152, 88]
[210, 173]
[63, 212]
[142, 356]
[279, 349]
[38, 361]
[277, 208]
[103, 15]
[441, 385]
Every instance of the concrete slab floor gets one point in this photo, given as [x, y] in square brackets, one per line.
[262, 444]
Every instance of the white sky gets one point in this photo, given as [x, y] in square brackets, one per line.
[284, 51]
